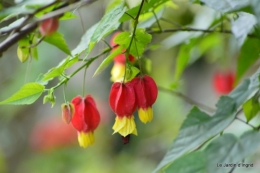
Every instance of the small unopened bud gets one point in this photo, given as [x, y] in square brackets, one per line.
[67, 112]
[49, 26]
[126, 139]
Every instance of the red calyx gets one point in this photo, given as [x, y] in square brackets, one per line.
[49, 26]
[86, 116]
[122, 99]
[121, 57]
[146, 91]
[112, 43]
[223, 82]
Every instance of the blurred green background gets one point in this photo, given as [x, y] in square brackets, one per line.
[33, 138]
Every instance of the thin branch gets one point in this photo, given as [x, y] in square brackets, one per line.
[35, 44]
[246, 123]
[22, 31]
[157, 21]
[26, 19]
[158, 31]
[171, 22]
[85, 65]
[187, 99]
[130, 15]
[133, 36]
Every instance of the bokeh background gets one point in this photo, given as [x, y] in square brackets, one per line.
[34, 139]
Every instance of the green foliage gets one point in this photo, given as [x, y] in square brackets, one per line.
[131, 72]
[209, 159]
[50, 97]
[247, 57]
[201, 135]
[22, 51]
[152, 5]
[107, 24]
[56, 39]
[108, 60]
[59, 70]
[251, 107]
[199, 127]
[243, 26]
[85, 41]
[226, 5]
[183, 59]
[138, 44]
[28, 94]
[255, 4]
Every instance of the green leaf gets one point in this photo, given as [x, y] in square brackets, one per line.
[112, 4]
[243, 26]
[182, 59]
[14, 11]
[131, 72]
[57, 40]
[28, 94]
[39, 80]
[224, 149]
[23, 53]
[247, 57]
[108, 23]
[68, 16]
[59, 70]
[85, 41]
[140, 42]
[50, 98]
[189, 163]
[199, 127]
[251, 107]
[34, 50]
[226, 5]
[255, 5]
[153, 4]
[108, 60]
[148, 19]
[123, 39]
[12, 25]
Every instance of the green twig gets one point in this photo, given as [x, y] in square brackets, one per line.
[187, 99]
[255, 128]
[157, 21]
[86, 64]
[133, 36]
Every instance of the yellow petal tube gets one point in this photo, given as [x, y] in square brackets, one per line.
[125, 125]
[145, 115]
[117, 72]
[85, 139]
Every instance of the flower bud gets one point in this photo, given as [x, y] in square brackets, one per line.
[49, 26]
[67, 112]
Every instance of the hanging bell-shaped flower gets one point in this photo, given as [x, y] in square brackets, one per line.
[146, 93]
[122, 102]
[85, 120]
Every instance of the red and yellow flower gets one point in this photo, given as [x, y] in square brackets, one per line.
[122, 102]
[146, 93]
[85, 120]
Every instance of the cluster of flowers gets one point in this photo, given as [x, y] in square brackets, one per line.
[125, 98]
